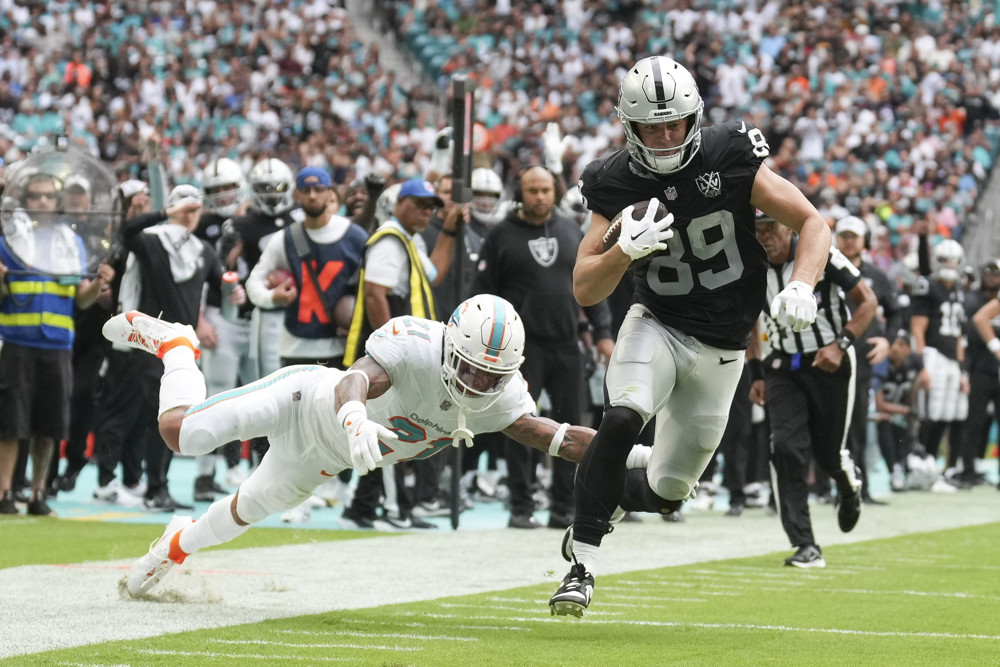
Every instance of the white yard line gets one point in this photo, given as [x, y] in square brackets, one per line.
[228, 587]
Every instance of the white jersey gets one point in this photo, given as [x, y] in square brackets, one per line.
[294, 406]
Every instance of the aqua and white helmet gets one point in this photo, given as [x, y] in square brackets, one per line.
[272, 187]
[483, 349]
[948, 257]
[660, 90]
[224, 186]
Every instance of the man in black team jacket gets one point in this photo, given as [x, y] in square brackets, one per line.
[528, 259]
[173, 268]
[699, 277]
[809, 390]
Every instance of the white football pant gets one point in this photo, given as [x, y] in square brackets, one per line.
[687, 385]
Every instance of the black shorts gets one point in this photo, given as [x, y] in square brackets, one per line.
[35, 388]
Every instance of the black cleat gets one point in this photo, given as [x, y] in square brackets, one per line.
[806, 557]
[848, 511]
[574, 594]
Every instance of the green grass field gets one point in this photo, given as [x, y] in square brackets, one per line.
[922, 599]
[29, 540]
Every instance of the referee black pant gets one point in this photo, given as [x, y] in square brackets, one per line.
[810, 413]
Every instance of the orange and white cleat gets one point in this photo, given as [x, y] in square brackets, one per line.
[148, 570]
[151, 334]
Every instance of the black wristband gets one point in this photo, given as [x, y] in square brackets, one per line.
[846, 333]
[451, 233]
[756, 368]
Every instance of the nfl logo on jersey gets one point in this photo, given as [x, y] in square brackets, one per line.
[670, 193]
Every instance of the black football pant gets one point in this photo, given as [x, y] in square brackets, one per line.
[809, 412]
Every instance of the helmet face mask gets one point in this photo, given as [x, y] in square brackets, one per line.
[659, 90]
[272, 187]
[224, 187]
[483, 350]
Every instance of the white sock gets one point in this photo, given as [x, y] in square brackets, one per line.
[182, 383]
[586, 555]
[216, 526]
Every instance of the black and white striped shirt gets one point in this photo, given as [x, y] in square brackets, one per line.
[838, 279]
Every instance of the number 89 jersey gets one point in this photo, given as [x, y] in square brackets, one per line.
[710, 282]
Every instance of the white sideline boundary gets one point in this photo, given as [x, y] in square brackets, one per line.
[218, 588]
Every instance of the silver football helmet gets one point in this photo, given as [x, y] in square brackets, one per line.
[385, 205]
[483, 348]
[948, 257]
[487, 195]
[224, 186]
[272, 187]
[660, 90]
[573, 205]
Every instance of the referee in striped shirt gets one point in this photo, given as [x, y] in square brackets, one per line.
[808, 383]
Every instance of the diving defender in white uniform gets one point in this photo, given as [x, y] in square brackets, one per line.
[421, 387]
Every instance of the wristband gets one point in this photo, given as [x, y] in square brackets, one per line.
[557, 440]
[993, 345]
[355, 371]
[756, 368]
[350, 408]
[452, 233]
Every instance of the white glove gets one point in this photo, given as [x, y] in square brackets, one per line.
[554, 147]
[799, 304]
[640, 237]
[441, 153]
[363, 436]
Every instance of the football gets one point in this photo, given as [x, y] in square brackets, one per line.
[615, 229]
[279, 276]
[343, 313]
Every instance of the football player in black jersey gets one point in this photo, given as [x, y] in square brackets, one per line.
[896, 381]
[699, 276]
[937, 323]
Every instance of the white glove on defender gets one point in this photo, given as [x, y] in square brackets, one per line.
[363, 436]
[640, 237]
[799, 304]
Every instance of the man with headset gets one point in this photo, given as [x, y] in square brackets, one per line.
[528, 259]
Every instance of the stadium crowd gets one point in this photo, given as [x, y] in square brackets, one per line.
[886, 111]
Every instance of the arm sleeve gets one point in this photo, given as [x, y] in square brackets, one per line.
[134, 225]
[599, 316]
[924, 254]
